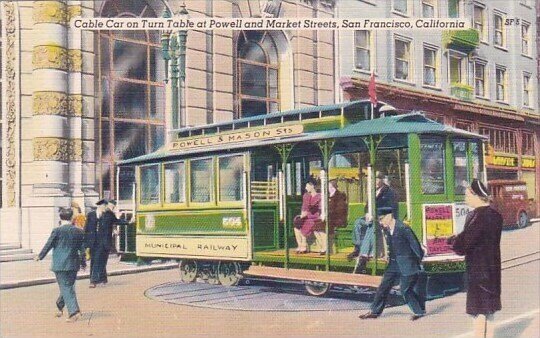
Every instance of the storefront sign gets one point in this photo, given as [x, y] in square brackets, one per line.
[504, 161]
[438, 226]
[528, 163]
[234, 137]
[209, 247]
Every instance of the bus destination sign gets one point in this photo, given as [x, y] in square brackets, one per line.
[234, 137]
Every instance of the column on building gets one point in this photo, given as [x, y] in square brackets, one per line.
[52, 146]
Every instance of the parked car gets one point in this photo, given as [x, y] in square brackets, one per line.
[511, 200]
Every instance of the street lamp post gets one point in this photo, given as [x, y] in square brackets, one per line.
[173, 50]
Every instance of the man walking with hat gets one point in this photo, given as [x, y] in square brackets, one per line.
[404, 265]
[98, 240]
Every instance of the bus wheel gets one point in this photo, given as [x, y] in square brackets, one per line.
[317, 288]
[522, 220]
[188, 271]
[228, 273]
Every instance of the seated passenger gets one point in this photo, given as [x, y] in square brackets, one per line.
[337, 216]
[364, 247]
[311, 214]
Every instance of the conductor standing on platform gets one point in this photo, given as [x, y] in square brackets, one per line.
[98, 240]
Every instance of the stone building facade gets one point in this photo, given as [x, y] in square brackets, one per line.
[74, 102]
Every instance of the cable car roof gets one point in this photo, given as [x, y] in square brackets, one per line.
[393, 125]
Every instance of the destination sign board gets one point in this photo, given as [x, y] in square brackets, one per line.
[235, 137]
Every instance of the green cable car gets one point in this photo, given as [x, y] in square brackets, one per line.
[221, 198]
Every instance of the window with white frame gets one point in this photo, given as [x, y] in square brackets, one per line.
[454, 8]
[499, 33]
[457, 65]
[500, 80]
[402, 59]
[480, 79]
[525, 38]
[362, 50]
[480, 21]
[429, 8]
[430, 66]
[527, 89]
[401, 6]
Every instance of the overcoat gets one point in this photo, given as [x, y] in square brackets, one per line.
[337, 212]
[480, 244]
[311, 204]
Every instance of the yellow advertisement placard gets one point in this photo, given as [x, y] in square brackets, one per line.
[207, 247]
[439, 228]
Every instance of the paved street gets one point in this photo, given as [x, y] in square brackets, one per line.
[122, 309]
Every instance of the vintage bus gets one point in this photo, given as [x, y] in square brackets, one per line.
[221, 198]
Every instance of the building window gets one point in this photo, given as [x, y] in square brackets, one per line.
[480, 22]
[132, 96]
[402, 60]
[502, 140]
[465, 125]
[527, 89]
[457, 67]
[500, 80]
[454, 8]
[480, 79]
[527, 144]
[430, 67]
[525, 38]
[401, 6]
[499, 38]
[362, 50]
[428, 8]
[258, 74]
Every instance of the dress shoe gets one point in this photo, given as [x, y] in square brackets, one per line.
[74, 318]
[416, 317]
[59, 313]
[368, 315]
[92, 286]
[352, 255]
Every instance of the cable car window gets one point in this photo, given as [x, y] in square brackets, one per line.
[202, 180]
[150, 184]
[230, 178]
[460, 167]
[432, 165]
[477, 165]
[175, 190]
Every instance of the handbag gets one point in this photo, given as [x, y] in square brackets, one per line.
[298, 222]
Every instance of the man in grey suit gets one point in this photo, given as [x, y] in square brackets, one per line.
[67, 243]
[404, 265]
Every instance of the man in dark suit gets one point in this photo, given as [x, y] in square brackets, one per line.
[98, 240]
[363, 236]
[404, 265]
[67, 243]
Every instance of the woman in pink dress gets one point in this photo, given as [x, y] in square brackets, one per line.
[311, 213]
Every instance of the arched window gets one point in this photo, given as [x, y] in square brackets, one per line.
[132, 95]
[257, 77]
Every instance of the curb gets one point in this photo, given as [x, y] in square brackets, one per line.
[85, 275]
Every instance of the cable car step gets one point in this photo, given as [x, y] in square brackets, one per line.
[316, 276]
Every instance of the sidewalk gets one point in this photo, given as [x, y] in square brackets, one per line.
[28, 273]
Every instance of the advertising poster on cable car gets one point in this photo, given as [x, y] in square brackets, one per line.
[237, 168]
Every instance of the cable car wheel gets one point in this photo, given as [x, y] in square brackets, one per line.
[317, 288]
[188, 271]
[522, 219]
[228, 273]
